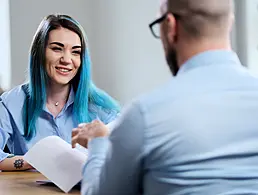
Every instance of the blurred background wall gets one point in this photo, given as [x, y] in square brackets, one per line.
[5, 62]
[127, 60]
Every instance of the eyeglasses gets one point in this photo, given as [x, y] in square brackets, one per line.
[154, 27]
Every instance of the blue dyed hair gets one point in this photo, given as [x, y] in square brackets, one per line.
[85, 90]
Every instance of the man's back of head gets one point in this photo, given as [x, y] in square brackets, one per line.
[189, 27]
[203, 17]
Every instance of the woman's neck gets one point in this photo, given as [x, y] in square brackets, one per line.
[57, 94]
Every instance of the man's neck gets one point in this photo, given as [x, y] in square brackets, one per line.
[189, 49]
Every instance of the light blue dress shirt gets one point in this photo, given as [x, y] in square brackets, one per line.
[11, 123]
[197, 135]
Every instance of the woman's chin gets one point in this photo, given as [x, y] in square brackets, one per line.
[60, 82]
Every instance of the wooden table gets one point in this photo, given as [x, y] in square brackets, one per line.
[24, 183]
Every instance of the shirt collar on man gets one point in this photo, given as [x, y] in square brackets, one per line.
[212, 57]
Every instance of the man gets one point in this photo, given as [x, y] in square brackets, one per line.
[198, 134]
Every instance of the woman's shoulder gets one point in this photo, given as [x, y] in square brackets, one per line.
[11, 107]
[14, 97]
[104, 114]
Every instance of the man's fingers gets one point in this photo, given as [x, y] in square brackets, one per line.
[96, 121]
[74, 141]
[75, 132]
[81, 125]
[86, 131]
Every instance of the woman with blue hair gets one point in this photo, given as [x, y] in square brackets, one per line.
[59, 95]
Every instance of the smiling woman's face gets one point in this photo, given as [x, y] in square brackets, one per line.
[63, 56]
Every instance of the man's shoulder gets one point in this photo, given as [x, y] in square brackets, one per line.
[159, 96]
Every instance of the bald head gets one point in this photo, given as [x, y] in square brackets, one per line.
[201, 17]
[207, 7]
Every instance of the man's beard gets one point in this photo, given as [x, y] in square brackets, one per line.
[171, 58]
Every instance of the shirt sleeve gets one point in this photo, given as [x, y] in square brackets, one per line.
[5, 130]
[114, 165]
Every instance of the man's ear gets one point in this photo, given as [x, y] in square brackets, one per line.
[171, 28]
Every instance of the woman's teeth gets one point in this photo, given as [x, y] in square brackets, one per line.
[63, 70]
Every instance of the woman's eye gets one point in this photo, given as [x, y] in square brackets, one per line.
[77, 52]
[56, 49]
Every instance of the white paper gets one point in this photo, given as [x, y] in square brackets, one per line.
[58, 161]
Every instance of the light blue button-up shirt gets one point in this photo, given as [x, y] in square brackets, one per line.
[11, 123]
[198, 134]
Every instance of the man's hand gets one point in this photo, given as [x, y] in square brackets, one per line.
[85, 132]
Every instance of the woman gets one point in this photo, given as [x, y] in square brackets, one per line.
[58, 96]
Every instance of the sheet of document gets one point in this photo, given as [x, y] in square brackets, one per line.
[58, 161]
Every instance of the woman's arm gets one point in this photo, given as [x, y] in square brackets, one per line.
[14, 163]
[8, 162]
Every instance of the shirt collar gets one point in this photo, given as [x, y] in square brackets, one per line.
[212, 57]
